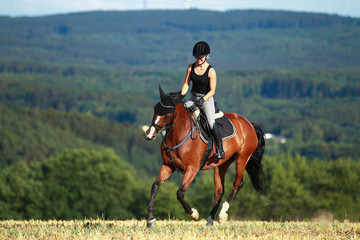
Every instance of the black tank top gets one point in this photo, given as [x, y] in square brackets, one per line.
[201, 83]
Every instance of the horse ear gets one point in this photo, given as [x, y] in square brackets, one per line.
[162, 93]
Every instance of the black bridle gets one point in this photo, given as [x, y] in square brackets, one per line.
[161, 110]
[160, 127]
[153, 124]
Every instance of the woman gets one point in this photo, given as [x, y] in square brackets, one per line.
[203, 77]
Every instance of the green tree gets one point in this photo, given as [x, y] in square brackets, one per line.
[288, 196]
[342, 195]
[21, 192]
[81, 183]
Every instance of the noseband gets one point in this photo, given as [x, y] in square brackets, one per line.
[153, 124]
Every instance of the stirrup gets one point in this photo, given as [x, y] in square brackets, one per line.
[220, 154]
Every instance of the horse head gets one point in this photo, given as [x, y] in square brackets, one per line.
[164, 112]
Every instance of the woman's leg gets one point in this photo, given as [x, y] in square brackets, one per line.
[209, 110]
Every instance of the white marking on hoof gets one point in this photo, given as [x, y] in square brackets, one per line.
[151, 223]
[209, 222]
[195, 214]
[223, 216]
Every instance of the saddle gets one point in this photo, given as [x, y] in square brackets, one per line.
[227, 128]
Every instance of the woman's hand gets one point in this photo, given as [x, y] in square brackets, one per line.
[200, 102]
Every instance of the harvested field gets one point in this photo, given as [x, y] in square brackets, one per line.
[174, 229]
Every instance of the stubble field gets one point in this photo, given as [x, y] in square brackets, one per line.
[174, 229]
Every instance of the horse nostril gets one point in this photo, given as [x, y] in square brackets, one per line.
[150, 138]
[151, 133]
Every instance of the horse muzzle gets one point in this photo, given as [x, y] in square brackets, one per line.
[150, 134]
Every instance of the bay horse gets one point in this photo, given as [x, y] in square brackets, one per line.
[182, 150]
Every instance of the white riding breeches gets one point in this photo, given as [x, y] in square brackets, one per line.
[208, 108]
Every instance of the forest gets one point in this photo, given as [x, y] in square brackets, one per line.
[73, 99]
[247, 39]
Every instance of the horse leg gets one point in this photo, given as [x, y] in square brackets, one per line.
[165, 173]
[219, 179]
[188, 178]
[238, 184]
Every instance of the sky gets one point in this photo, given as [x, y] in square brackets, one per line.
[15, 8]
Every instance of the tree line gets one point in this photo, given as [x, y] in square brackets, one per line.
[292, 39]
[301, 105]
[35, 135]
[78, 184]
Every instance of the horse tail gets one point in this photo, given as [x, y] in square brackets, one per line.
[254, 167]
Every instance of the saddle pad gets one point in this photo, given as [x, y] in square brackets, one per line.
[227, 129]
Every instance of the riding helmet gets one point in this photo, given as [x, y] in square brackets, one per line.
[201, 49]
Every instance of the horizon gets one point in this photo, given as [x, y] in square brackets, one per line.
[191, 9]
[38, 8]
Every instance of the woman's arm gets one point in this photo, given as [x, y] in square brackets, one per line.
[212, 79]
[186, 84]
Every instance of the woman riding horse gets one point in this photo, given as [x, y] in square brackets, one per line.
[183, 150]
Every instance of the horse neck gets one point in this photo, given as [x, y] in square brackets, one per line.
[181, 121]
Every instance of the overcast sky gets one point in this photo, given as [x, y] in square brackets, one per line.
[48, 7]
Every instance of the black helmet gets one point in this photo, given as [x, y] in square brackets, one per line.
[201, 49]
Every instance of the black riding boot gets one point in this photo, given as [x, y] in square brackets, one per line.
[218, 141]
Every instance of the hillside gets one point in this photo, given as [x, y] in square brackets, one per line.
[33, 135]
[164, 39]
[75, 89]
[302, 105]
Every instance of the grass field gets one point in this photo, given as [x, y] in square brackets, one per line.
[174, 229]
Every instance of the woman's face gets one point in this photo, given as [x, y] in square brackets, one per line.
[200, 61]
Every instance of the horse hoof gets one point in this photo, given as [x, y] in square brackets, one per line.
[223, 218]
[151, 223]
[195, 214]
[209, 222]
